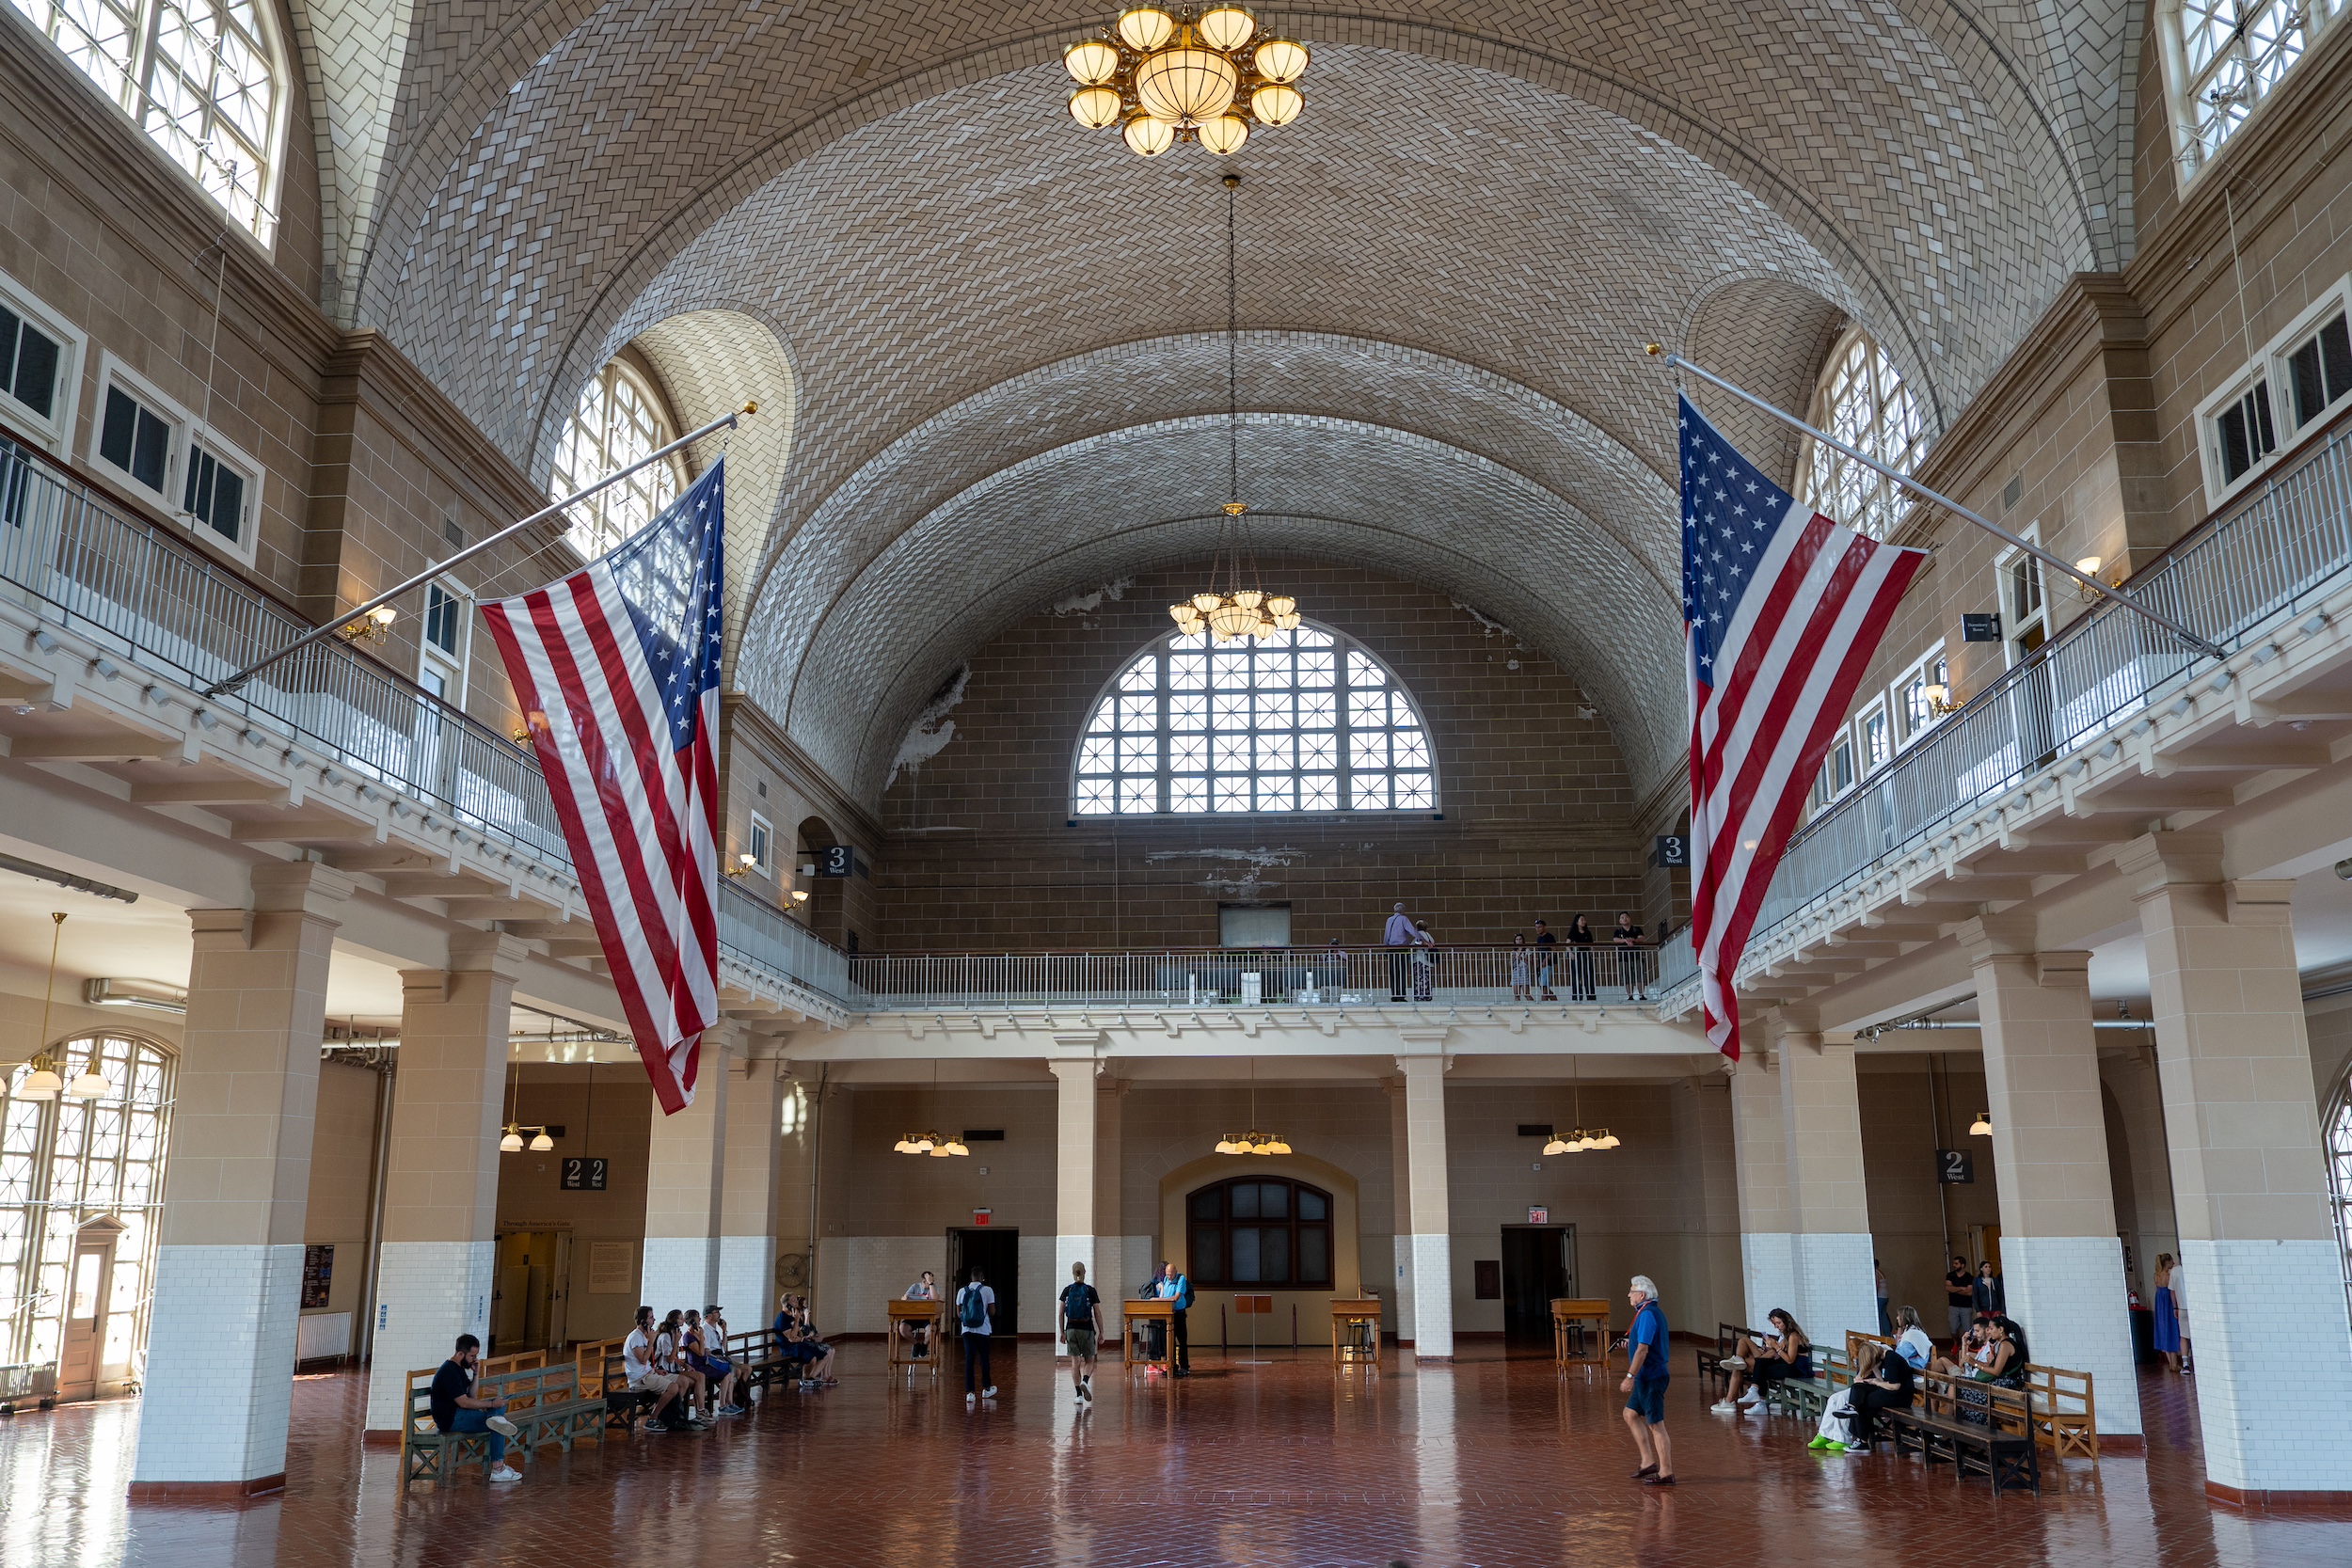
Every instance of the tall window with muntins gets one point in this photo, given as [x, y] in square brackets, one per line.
[65, 1163]
[2335, 1134]
[1863, 402]
[619, 421]
[2221, 58]
[1259, 1230]
[200, 77]
[1305, 720]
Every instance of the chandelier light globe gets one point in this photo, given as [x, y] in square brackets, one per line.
[1281, 60]
[1187, 86]
[1229, 621]
[1609, 1139]
[1224, 135]
[1090, 61]
[1096, 108]
[1144, 29]
[91, 1085]
[1277, 103]
[1225, 1145]
[1226, 27]
[1206, 603]
[542, 1144]
[1146, 137]
[1179, 614]
[1557, 1146]
[1277, 1147]
[512, 1143]
[1280, 604]
[1249, 598]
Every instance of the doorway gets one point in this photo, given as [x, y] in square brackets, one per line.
[1538, 1263]
[80, 1364]
[530, 1300]
[996, 1254]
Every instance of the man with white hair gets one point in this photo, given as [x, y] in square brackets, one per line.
[1645, 1385]
[1398, 935]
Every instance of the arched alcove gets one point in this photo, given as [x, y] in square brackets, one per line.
[1312, 1304]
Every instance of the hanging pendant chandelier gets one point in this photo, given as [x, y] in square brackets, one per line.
[1240, 607]
[43, 1082]
[939, 1145]
[1163, 76]
[1253, 1141]
[1580, 1141]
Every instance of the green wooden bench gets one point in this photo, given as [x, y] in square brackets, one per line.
[1712, 1377]
[544, 1402]
[1810, 1396]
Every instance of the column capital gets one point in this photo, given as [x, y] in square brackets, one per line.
[2010, 933]
[221, 930]
[2155, 861]
[304, 887]
[488, 952]
[1790, 1019]
[2251, 901]
[1079, 1069]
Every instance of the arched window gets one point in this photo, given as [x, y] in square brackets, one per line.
[1261, 1230]
[2335, 1135]
[1862, 402]
[1303, 721]
[200, 77]
[81, 1201]
[619, 421]
[2223, 57]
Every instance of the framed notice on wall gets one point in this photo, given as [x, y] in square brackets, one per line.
[611, 1268]
[318, 1275]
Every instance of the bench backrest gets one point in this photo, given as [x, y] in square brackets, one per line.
[514, 1361]
[1855, 1340]
[1729, 1334]
[749, 1350]
[524, 1391]
[2057, 1391]
[1950, 1397]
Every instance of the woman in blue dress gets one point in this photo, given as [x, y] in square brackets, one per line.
[2168, 1315]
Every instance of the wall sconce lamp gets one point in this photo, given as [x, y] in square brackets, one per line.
[370, 628]
[745, 864]
[1938, 699]
[799, 895]
[2088, 566]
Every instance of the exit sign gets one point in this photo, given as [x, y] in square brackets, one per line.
[1538, 1216]
[980, 1216]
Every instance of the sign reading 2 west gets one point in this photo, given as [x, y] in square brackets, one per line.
[583, 1175]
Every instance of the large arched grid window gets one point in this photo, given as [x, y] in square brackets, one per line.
[1304, 721]
[65, 1163]
[2336, 1139]
[1862, 402]
[1259, 1231]
[2221, 58]
[619, 421]
[200, 77]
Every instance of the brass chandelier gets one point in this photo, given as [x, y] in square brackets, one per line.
[1241, 606]
[1206, 74]
[939, 1145]
[1253, 1141]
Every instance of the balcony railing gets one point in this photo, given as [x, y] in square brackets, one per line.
[2279, 550]
[1227, 978]
[160, 606]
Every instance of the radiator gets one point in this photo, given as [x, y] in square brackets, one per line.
[322, 1335]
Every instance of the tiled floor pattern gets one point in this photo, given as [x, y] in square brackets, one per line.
[1491, 1463]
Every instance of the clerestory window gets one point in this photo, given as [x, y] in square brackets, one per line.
[1862, 401]
[2221, 58]
[200, 77]
[620, 420]
[1304, 721]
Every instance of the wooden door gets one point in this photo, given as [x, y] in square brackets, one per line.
[85, 1317]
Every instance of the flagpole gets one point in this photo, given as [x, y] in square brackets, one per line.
[316, 633]
[1676, 361]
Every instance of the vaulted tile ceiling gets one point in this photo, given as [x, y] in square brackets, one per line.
[1000, 338]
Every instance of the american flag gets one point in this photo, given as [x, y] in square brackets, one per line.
[617, 668]
[1781, 609]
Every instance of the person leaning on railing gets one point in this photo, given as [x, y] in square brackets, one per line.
[1632, 961]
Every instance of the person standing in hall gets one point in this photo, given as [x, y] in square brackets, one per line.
[1581, 981]
[1081, 1330]
[1645, 1385]
[1424, 964]
[1985, 1293]
[1176, 1288]
[1519, 957]
[975, 1314]
[1627, 938]
[2168, 1315]
[1546, 949]
[1878, 1272]
[1396, 937]
[1960, 1300]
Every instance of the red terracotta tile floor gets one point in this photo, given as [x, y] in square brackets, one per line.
[1494, 1463]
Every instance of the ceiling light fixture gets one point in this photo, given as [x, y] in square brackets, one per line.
[1253, 1141]
[937, 1145]
[1209, 75]
[1234, 611]
[1983, 1126]
[1580, 1141]
[43, 1081]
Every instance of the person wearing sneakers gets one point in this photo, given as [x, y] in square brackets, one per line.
[1081, 1331]
[1785, 1355]
[456, 1409]
[975, 1314]
[1645, 1385]
[647, 1380]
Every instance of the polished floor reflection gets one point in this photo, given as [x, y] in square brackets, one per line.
[1493, 1463]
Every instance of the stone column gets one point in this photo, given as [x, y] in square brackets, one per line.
[1400, 1284]
[1110, 1207]
[439, 1261]
[2062, 1265]
[1829, 1204]
[1431, 1266]
[749, 1198]
[1075, 1173]
[2262, 1277]
[1767, 1243]
[685, 1182]
[219, 1380]
[1707, 1150]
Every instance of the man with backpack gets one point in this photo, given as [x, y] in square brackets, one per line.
[1175, 1287]
[1081, 1330]
[976, 1311]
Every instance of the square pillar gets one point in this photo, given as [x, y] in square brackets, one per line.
[1829, 1204]
[439, 1258]
[1401, 1201]
[2262, 1277]
[685, 1184]
[2062, 1262]
[1110, 1201]
[1707, 1150]
[219, 1381]
[749, 1196]
[1431, 1265]
[1074, 1174]
[1767, 1243]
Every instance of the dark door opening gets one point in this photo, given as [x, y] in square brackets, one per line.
[996, 1254]
[1538, 1263]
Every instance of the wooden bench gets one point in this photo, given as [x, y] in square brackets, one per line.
[2064, 1411]
[1975, 1425]
[759, 1360]
[543, 1401]
[1712, 1377]
[599, 1373]
[1808, 1397]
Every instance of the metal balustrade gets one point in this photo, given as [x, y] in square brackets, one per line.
[1226, 976]
[2267, 558]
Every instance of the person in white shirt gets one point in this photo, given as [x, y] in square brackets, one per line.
[638, 1353]
[1912, 1343]
[925, 1289]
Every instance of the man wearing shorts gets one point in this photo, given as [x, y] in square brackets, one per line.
[1645, 1385]
[647, 1380]
[1081, 1331]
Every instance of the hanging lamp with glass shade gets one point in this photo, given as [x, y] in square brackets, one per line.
[1580, 1140]
[939, 1145]
[1253, 1141]
[1983, 1126]
[44, 1082]
[1209, 75]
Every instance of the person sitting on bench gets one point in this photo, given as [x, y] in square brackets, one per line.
[1974, 1351]
[718, 1373]
[918, 1335]
[801, 1343]
[455, 1408]
[1881, 1382]
[647, 1380]
[1912, 1341]
[1784, 1355]
[669, 1348]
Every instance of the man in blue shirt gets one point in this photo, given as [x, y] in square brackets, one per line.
[1176, 1288]
[1645, 1385]
[1399, 936]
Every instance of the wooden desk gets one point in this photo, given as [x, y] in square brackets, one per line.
[1356, 1333]
[1593, 1315]
[909, 1315]
[1139, 1314]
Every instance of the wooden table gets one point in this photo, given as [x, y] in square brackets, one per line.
[1139, 1313]
[1356, 1333]
[909, 1315]
[1592, 1314]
